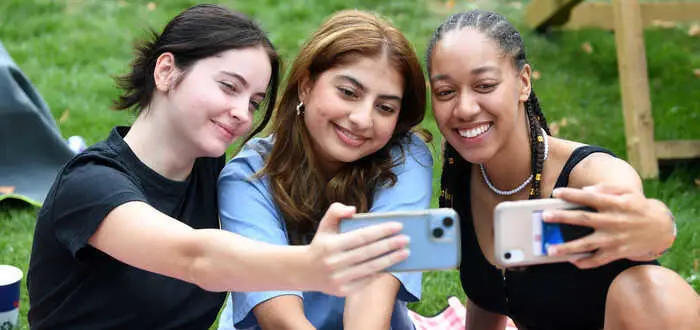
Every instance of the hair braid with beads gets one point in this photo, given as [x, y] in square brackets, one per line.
[496, 27]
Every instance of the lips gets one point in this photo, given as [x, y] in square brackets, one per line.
[228, 130]
[348, 137]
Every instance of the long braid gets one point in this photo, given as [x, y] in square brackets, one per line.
[536, 146]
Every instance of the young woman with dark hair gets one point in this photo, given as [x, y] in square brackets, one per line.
[129, 238]
[341, 133]
[498, 149]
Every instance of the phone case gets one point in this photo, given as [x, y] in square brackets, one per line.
[434, 233]
[521, 238]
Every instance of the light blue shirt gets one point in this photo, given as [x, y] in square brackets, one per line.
[248, 209]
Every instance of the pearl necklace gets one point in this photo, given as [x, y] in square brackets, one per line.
[522, 185]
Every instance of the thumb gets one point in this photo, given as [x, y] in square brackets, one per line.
[331, 220]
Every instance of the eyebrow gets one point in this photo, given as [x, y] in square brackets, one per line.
[476, 71]
[362, 87]
[242, 80]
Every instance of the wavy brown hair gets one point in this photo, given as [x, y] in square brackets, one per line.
[302, 193]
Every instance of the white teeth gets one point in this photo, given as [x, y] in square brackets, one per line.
[474, 132]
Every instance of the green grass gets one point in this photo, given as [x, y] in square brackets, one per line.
[71, 48]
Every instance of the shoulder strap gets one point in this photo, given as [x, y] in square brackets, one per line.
[576, 157]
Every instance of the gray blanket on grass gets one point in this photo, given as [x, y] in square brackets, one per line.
[31, 147]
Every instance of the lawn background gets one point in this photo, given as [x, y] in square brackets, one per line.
[70, 49]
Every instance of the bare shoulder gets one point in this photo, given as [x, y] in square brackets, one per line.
[599, 168]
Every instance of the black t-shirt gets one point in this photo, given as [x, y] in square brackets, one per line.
[75, 286]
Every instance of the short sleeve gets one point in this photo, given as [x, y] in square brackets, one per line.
[84, 196]
[412, 191]
[246, 208]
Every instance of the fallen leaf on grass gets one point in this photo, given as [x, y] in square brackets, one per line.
[696, 72]
[536, 75]
[663, 24]
[516, 5]
[563, 122]
[694, 30]
[151, 6]
[697, 182]
[554, 128]
[586, 46]
[122, 3]
[64, 116]
[449, 4]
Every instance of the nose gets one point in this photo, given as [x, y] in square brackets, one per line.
[361, 116]
[467, 107]
[238, 109]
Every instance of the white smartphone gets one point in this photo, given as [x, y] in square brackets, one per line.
[434, 234]
[521, 238]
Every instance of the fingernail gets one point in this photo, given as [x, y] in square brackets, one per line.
[555, 192]
[551, 251]
[396, 226]
[546, 216]
[589, 188]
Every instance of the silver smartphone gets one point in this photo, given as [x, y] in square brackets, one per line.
[522, 238]
[434, 234]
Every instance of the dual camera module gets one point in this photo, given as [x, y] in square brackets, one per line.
[447, 222]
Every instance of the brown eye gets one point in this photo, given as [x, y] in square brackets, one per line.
[347, 92]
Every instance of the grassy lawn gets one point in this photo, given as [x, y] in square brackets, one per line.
[71, 48]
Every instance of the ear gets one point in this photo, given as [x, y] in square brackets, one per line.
[164, 72]
[305, 85]
[525, 83]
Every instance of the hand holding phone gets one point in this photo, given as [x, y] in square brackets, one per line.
[522, 237]
[434, 234]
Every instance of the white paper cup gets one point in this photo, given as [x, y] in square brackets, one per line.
[10, 279]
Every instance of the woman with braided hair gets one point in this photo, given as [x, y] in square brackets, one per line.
[498, 149]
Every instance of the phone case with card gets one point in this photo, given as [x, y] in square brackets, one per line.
[434, 234]
[521, 237]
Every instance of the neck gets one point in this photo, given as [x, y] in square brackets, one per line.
[511, 165]
[154, 142]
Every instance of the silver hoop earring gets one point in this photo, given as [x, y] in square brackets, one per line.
[300, 109]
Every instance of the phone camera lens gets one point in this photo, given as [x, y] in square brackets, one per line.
[448, 222]
[507, 255]
[438, 232]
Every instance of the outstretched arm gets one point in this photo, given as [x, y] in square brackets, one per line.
[627, 224]
[216, 260]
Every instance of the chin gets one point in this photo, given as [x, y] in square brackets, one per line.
[213, 151]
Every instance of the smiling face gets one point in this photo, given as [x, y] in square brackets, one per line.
[214, 102]
[477, 94]
[351, 110]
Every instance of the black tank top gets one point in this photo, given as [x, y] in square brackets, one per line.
[551, 296]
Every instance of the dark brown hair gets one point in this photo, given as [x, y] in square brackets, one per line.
[196, 33]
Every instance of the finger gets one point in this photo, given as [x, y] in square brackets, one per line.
[331, 220]
[587, 197]
[596, 260]
[364, 236]
[581, 245]
[370, 267]
[579, 218]
[606, 188]
[368, 252]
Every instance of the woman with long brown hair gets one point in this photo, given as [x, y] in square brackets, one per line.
[341, 133]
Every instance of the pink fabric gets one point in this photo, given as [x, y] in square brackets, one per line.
[452, 318]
